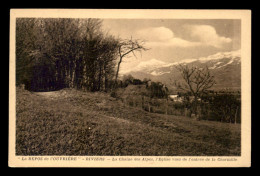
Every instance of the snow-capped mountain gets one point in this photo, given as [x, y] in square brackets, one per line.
[145, 66]
[225, 66]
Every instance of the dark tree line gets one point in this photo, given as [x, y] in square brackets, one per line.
[52, 54]
[225, 107]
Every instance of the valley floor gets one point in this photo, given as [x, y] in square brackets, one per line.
[72, 122]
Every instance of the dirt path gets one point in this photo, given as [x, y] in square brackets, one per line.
[52, 94]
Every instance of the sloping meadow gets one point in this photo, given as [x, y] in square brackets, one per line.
[71, 122]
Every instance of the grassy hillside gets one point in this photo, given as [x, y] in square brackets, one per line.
[71, 122]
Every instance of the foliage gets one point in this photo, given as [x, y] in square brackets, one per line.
[137, 82]
[57, 53]
[157, 90]
[114, 94]
[225, 107]
[127, 79]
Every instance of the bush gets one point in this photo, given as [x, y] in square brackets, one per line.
[137, 82]
[114, 94]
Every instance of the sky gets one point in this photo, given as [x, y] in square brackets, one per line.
[172, 40]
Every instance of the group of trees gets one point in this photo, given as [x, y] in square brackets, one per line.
[75, 53]
[224, 107]
[154, 89]
[129, 79]
[157, 90]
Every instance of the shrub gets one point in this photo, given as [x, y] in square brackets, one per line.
[137, 82]
[114, 94]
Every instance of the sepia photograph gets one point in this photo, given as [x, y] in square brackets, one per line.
[131, 90]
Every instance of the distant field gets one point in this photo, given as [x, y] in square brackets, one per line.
[71, 122]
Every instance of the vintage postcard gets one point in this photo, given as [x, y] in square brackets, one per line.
[130, 88]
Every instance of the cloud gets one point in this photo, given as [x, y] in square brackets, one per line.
[197, 35]
[164, 37]
[156, 34]
[206, 35]
[174, 42]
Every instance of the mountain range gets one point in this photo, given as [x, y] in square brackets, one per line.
[224, 66]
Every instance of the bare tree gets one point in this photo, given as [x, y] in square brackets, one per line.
[125, 47]
[196, 81]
